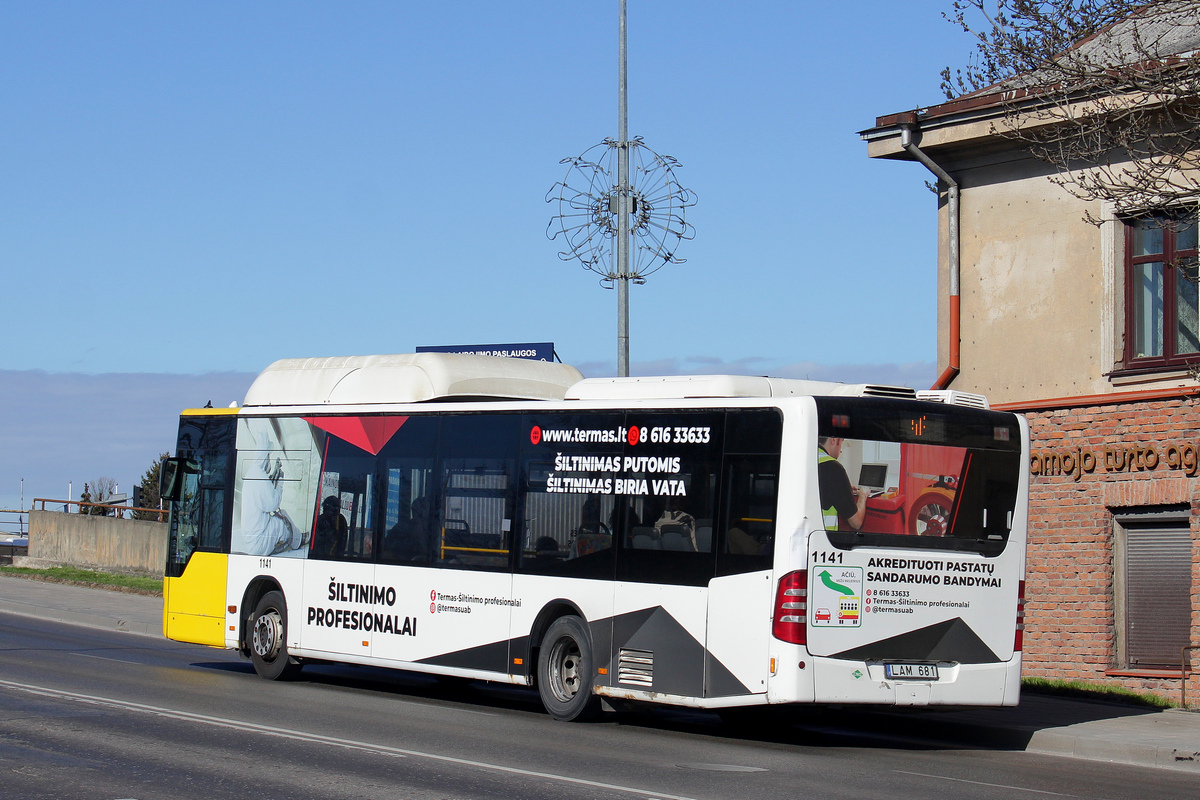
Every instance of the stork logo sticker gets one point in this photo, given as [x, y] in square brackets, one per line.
[836, 597]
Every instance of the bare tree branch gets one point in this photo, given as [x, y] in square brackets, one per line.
[1105, 91]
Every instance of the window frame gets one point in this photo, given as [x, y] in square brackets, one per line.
[1131, 363]
[1124, 521]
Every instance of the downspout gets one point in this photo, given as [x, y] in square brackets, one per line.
[906, 141]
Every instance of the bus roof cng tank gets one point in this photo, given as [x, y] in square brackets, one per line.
[424, 377]
[679, 387]
[408, 378]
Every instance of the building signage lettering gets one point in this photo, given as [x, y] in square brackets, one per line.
[1121, 458]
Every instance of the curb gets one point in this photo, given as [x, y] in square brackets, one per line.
[1052, 742]
[122, 624]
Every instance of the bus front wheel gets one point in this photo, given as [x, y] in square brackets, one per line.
[565, 671]
[268, 639]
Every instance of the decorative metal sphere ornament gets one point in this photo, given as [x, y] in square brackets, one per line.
[588, 218]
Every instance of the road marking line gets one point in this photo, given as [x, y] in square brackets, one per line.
[350, 744]
[102, 658]
[981, 783]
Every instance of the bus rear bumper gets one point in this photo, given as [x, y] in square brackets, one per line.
[843, 681]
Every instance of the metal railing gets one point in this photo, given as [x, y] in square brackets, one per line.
[14, 522]
[39, 503]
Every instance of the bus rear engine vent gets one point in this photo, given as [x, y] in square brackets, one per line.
[953, 398]
[636, 667]
[899, 392]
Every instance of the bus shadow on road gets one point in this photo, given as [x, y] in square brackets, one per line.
[940, 728]
[817, 726]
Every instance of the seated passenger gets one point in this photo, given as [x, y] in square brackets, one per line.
[332, 529]
[675, 520]
[741, 543]
[411, 540]
[631, 517]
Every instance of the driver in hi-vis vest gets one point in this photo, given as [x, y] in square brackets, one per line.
[839, 499]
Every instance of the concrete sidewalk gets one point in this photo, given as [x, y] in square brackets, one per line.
[1041, 724]
[98, 608]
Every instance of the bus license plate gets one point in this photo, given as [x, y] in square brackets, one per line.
[911, 672]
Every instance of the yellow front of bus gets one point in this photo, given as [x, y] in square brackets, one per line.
[197, 484]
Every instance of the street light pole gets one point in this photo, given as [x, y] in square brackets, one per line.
[613, 192]
[622, 243]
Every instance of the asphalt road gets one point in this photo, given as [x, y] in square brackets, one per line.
[87, 713]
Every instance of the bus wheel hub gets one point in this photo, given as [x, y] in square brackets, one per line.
[268, 636]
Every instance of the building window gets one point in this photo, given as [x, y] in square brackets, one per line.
[1162, 294]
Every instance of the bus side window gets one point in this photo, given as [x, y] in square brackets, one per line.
[747, 530]
[409, 489]
[564, 533]
[344, 527]
[410, 524]
[477, 487]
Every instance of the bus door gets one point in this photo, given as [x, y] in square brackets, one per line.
[739, 599]
[665, 557]
[466, 598]
[197, 483]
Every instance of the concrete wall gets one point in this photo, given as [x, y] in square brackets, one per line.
[80, 540]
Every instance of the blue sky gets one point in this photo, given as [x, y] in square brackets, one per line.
[194, 190]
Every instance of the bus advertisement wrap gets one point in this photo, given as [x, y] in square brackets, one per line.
[786, 547]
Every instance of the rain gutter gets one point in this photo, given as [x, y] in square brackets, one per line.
[906, 141]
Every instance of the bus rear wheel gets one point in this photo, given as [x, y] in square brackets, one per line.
[268, 639]
[565, 671]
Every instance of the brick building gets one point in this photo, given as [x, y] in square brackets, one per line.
[1093, 332]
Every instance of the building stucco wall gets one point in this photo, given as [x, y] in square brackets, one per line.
[1031, 285]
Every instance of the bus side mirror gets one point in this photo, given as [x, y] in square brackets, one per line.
[170, 478]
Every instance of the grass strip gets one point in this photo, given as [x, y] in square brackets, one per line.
[1095, 691]
[94, 579]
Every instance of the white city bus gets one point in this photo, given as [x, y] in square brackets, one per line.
[680, 540]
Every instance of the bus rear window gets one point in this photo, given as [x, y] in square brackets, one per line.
[941, 480]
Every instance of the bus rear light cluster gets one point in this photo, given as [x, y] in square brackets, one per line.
[789, 622]
[1019, 639]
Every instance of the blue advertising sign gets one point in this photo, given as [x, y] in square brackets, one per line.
[536, 351]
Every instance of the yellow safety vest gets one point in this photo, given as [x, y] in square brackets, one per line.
[828, 515]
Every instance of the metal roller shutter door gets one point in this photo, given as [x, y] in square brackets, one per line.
[1158, 581]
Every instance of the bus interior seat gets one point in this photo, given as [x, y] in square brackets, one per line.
[644, 538]
[676, 537]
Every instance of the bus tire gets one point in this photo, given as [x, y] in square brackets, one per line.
[268, 639]
[565, 671]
